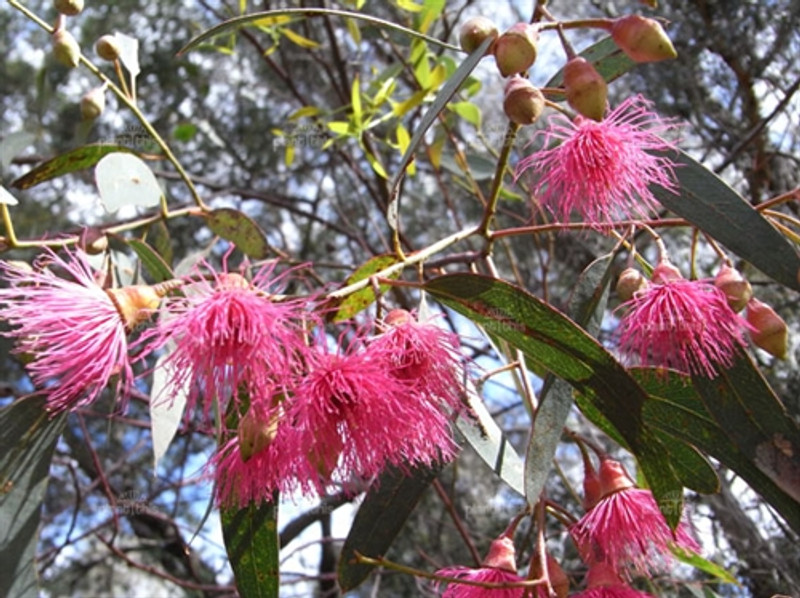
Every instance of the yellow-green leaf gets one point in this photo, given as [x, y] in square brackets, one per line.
[412, 102]
[468, 111]
[303, 112]
[403, 141]
[376, 165]
[339, 127]
[299, 40]
[360, 300]
[355, 99]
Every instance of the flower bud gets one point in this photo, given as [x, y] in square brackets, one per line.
[398, 317]
[523, 103]
[515, 50]
[735, 286]
[107, 48]
[665, 272]
[65, 48]
[501, 555]
[135, 303]
[69, 8]
[585, 88]
[642, 39]
[613, 477]
[93, 103]
[256, 433]
[630, 281]
[474, 32]
[770, 331]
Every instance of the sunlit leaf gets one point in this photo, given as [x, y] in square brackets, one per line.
[166, 407]
[299, 40]
[125, 180]
[6, 197]
[468, 111]
[252, 543]
[360, 300]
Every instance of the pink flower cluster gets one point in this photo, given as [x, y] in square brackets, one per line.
[302, 412]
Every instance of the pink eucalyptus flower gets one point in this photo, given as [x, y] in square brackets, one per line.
[625, 528]
[681, 324]
[424, 356]
[603, 582]
[70, 326]
[498, 567]
[352, 416]
[225, 335]
[602, 170]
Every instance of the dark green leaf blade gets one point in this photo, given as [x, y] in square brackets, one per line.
[746, 408]
[389, 502]
[238, 228]
[711, 205]
[677, 409]
[26, 448]
[550, 339]
[72, 161]
[251, 540]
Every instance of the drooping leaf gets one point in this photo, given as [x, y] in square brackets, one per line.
[74, 160]
[442, 98]
[698, 562]
[675, 407]
[360, 300]
[166, 408]
[490, 443]
[554, 342]
[711, 205]
[555, 400]
[233, 226]
[123, 179]
[252, 543]
[157, 268]
[27, 442]
[386, 507]
[746, 408]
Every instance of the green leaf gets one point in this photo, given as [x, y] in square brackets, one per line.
[157, 236]
[157, 268]
[232, 225]
[252, 542]
[711, 205]
[744, 405]
[607, 58]
[552, 341]
[386, 507]
[26, 448]
[556, 396]
[184, 132]
[698, 562]
[72, 161]
[677, 409]
[360, 300]
[468, 111]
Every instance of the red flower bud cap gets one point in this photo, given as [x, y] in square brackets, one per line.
[614, 478]
[502, 555]
[586, 90]
[769, 332]
[515, 50]
[666, 272]
[642, 39]
[735, 286]
[591, 488]
[398, 317]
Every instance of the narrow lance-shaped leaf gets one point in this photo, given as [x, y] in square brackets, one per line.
[27, 442]
[251, 540]
[711, 205]
[551, 340]
[389, 502]
[72, 161]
